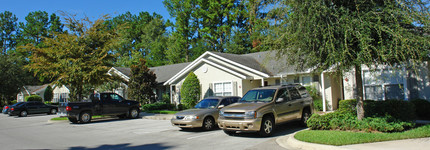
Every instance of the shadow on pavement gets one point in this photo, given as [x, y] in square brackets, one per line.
[127, 146]
[106, 120]
[280, 130]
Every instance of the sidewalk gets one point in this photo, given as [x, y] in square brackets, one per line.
[289, 141]
[145, 115]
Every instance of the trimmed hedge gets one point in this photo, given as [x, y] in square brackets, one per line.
[399, 109]
[381, 116]
[422, 108]
[158, 106]
[33, 98]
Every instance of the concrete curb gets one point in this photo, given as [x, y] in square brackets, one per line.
[289, 141]
[156, 116]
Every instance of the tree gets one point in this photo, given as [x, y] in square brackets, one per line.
[8, 30]
[190, 90]
[48, 94]
[143, 36]
[142, 83]
[348, 34]
[78, 58]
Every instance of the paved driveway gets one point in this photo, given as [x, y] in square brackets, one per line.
[36, 132]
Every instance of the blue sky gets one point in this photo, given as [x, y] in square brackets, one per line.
[91, 8]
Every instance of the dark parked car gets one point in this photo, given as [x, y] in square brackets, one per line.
[32, 107]
[6, 109]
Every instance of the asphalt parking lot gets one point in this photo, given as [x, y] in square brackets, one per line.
[37, 132]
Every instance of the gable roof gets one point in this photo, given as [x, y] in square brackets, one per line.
[163, 73]
[33, 89]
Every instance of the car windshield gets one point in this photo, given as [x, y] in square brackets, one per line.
[207, 103]
[261, 95]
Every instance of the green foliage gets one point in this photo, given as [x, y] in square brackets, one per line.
[317, 99]
[422, 108]
[142, 82]
[8, 29]
[143, 36]
[33, 98]
[158, 106]
[78, 58]
[348, 106]
[341, 35]
[190, 90]
[51, 103]
[13, 102]
[346, 138]
[165, 98]
[48, 93]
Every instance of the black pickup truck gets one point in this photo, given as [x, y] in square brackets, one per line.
[102, 104]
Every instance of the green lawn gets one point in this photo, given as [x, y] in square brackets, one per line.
[345, 137]
[162, 111]
[65, 118]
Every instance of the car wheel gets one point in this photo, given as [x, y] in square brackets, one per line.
[134, 113]
[230, 133]
[85, 117]
[53, 111]
[267, 126]
[23, 113]
[305, 117]
[73, 120]
[209, 123]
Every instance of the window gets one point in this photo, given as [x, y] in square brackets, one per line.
[294, 93]
[296, 79]
[115, 97]
[383, 84]
[223, 89]
[306, 80]
[316, 78]
[282, 93]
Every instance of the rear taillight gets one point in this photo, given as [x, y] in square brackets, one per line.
[6, 107]
[68, 108]
[12, 109]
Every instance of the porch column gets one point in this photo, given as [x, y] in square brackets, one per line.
[171, 94]
[262, 82]
[323, 92]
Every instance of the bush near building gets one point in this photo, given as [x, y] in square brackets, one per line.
[33, 98]
[380, 116]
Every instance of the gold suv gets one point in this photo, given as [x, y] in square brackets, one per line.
[263, 108]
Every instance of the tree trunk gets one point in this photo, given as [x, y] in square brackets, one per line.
[359, 82]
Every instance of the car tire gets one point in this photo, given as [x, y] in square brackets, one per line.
[52, 112]
[85, 117]
[208, 123]
[73, 120]
[228, 132]
[23, 113]
[306, 114]
[267, 126]
[133, 113]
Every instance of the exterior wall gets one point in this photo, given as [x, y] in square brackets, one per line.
[248, 85]
[327, 91]
[208, 75]
[61, 94]
[20, 97]
[349, 85]
[336, 91]
[419, 82]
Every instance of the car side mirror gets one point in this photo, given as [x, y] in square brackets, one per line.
[220, 106]
[279, 100]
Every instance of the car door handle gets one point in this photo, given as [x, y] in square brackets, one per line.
[289, 104]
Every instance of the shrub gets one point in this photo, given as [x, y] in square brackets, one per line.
[422, 108]
[348, 106]
[190, 91]
[165, 98]
[313, 92]
[33, 98]
[51, 103]
[158, 106]
[13, 102]
[181, 107]
[48, 93]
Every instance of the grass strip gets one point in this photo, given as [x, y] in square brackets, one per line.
[338, 138]
[162, 111]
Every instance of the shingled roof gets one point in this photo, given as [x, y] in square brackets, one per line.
[163, 73]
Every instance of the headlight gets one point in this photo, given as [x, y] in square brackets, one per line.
[191, 117]
[250, 115]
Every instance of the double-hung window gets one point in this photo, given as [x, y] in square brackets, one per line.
[223, 89]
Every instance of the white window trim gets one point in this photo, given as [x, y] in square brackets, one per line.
[383, 84]
[223, 90]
